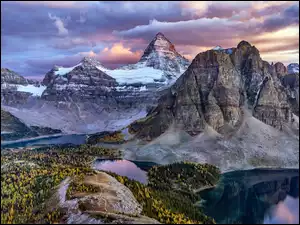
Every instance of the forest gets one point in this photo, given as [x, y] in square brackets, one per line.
[30, 177]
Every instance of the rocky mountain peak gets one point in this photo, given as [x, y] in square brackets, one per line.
[280, 69]
[90, 61]
[244, 44]
[161, 54]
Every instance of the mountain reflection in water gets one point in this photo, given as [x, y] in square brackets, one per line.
[254, 196]
[286, 211]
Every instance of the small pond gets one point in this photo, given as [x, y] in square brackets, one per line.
[135, 170]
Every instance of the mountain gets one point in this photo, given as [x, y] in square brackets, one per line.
[214, 90]
[15, 89]
[230, 110]
[82, 82]
[293, 68]
[89, 79]
[88, 97]
[161, 54]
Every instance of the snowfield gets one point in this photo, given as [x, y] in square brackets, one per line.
[36, 91]
[64, 70]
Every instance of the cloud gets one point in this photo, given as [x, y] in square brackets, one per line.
[290, 16]
[55, 4]
[117, 55]
[59, 24]
[203, 31]
[72, 42]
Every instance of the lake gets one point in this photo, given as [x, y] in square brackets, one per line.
[135, 170]
[269, 196]
[75, 139]
[254, 196]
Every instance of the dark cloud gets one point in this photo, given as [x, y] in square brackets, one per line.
[290, 16]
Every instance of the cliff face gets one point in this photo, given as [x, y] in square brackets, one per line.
[215, 89]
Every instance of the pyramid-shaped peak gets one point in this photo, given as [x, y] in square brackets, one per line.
[159, 34]
[90, 61]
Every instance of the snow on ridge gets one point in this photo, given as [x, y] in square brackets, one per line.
[141, 75]
[64, 70]
[36, 91]
[218, 48]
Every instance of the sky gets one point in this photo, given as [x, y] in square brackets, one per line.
[35, 36]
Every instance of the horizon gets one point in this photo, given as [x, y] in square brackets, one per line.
[44, 34]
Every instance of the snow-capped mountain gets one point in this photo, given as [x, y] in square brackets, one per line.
[160, 64]
[293, 68]
[159, 67]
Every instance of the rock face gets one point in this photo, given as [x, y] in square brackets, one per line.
[214, 90]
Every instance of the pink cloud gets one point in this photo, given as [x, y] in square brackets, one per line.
[118, 54]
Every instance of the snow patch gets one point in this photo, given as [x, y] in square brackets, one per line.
[64, 70]
[36, 91]
[141, 75]
[218, 48]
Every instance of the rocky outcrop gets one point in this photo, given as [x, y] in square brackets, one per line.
[113, 203]
[214, 90]
[280, 69]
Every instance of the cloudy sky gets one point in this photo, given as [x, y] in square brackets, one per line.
[37, 35]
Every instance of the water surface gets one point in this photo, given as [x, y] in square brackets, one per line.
[254, 196]
[132, 169]
[75, 139]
